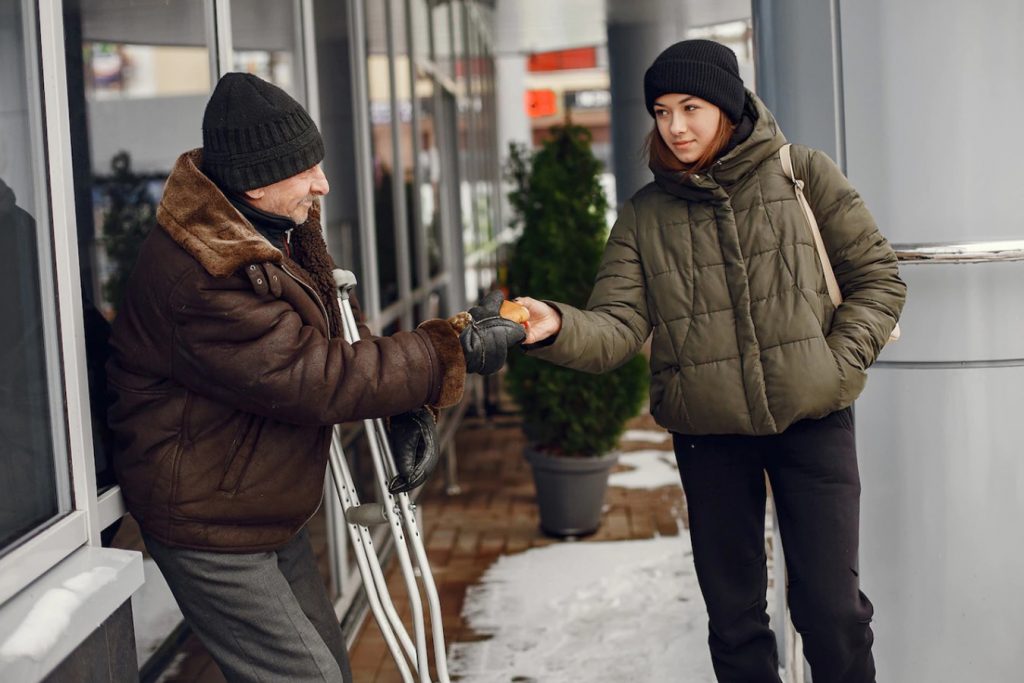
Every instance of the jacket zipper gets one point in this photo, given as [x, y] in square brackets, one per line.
[323, 309]
[316, 297]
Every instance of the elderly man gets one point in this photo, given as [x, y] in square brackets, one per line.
[229, 370]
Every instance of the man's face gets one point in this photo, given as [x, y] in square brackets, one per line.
[291, 197]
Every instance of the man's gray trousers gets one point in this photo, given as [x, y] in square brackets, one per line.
[263, 616]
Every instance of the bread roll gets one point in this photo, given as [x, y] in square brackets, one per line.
[517, 313]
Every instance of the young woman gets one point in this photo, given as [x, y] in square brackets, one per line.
[753, 368]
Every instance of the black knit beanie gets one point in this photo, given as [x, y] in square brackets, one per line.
[255, 134]
[702, 68]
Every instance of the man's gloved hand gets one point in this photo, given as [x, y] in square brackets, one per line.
[487, 336]
[413, 438]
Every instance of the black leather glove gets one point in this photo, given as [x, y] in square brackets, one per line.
[413, 438]
[486, 338]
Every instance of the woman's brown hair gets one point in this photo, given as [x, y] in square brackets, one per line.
[663, 159]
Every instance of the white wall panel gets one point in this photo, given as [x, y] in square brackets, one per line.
[927, 95]
[941, 510]
[961, 312]
[932, 98]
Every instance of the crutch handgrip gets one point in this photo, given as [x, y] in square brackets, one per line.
[367, 514]
[345, 280]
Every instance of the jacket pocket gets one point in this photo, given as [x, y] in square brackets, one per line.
[670, 409]
[184, 442]
[851, 382]
[659, 381]
[239, 455]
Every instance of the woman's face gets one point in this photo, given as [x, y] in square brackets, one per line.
[687, 124]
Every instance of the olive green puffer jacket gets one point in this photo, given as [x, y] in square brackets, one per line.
[722, 268]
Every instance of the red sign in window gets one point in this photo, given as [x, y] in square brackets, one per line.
[578, 58]
[541, 103]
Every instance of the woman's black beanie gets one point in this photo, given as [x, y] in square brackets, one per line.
[702, 68]
[255, 134]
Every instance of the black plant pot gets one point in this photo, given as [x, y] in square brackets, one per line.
[570, 491]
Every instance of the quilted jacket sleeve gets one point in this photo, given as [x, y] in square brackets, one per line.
[865, 267]
[615, 323]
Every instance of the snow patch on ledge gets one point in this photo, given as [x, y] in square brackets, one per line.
[51, 615]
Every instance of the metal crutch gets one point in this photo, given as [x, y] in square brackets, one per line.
[398, 513]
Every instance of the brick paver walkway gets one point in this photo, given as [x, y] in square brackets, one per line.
[496, 514]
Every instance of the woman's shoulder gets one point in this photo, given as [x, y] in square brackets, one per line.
[811, 162]
[811, 155]
[647, 193]
[651, 194]
[650, 202]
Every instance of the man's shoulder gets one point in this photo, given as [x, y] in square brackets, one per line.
[196, 214]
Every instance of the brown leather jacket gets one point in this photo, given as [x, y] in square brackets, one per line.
[228, 372]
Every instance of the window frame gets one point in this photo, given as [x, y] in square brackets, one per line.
[49, 543]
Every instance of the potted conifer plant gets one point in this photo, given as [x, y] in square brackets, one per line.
[572, 420]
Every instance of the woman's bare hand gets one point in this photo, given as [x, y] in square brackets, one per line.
[544, 320]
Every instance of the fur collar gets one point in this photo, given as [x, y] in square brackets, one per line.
[197, 215]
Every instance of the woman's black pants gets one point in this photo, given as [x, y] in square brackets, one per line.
[812, 468]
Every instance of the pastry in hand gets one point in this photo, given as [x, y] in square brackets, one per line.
[510, 310]
[517, 313]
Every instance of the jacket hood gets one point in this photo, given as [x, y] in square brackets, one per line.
[764, 140]
[198, 216]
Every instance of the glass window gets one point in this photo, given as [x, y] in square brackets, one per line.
[465, 133]
[137, 101]
[138, 76]
[491, 140]
[478, 100]
[429, 172]
[341, 207]
[406, 135]
[342, 220]
[441, 38]
[420, 29]
[432, 305]
[381, 120]
[264, 35]
[445, 127]
[33, 459]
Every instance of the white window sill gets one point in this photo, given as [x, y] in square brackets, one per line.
[53, 615]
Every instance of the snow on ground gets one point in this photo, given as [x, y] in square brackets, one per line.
[595, 612]
[652, 435]
[155, 611]
[618, 611]
[649, 470]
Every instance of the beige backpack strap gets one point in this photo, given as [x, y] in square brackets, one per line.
[826, 265]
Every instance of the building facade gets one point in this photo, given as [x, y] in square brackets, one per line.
[100, 97]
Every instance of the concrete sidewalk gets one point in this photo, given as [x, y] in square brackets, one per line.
[496, 514]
